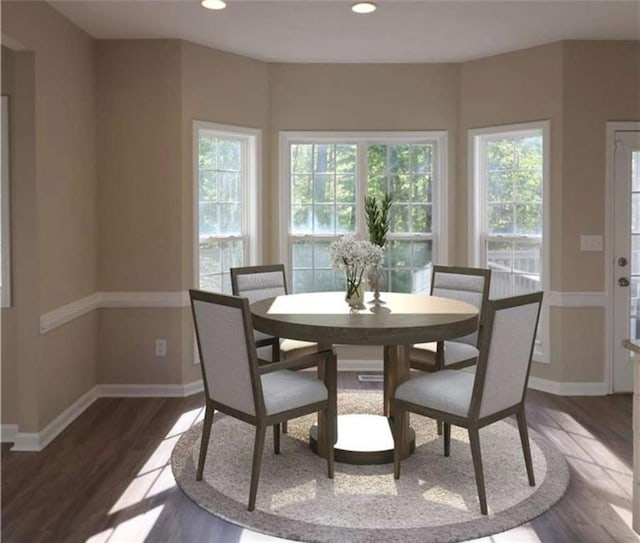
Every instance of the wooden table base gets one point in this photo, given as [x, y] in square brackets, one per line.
[363, 439]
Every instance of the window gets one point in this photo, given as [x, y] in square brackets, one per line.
[509, 206]
[325, 177]
[226, 197]
[5, 263]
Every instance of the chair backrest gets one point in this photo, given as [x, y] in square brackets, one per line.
[506, 348]
[469, 285]
[227, 350]
[258, 282]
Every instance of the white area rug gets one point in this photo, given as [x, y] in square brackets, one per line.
[434, 500]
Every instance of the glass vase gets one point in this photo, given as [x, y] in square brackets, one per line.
[355, 295]
[376, 279]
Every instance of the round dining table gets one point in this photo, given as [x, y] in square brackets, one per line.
[398, 323]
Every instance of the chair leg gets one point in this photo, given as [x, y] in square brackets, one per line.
[331, 440]
[206, 433]
[447, 438]
[258, 448]
[385, 373]
[276, 438]
[476, 455]
[439, 366]
[331, 413]
[275, 357]
[524, 438]
[398, 420]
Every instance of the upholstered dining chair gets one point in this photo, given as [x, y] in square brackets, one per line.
[496, 390]
[257, 283]
[263, 396]
[469, 285]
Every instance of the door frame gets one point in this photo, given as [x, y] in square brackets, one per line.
[611, 129]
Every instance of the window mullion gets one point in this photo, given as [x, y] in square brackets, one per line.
[362, 175]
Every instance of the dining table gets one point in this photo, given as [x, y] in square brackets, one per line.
[398, 322]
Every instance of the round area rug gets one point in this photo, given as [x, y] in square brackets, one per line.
[435, 499]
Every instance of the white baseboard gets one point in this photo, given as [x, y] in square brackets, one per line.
[193, 388]
[36, 441]
[568, 389]
[27, 442]
[8, 433]
[149, 391]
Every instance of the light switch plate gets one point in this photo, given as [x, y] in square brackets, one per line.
[590, 242]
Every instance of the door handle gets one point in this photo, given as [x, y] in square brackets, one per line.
[623, 282]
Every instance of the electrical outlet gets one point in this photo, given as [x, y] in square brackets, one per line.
[161, 347]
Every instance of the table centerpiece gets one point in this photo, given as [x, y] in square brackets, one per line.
[355, 257]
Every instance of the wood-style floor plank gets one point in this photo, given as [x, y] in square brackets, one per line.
[107, 478]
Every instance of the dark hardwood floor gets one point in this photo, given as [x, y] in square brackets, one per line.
[107, 478]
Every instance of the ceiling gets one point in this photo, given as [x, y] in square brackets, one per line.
[327, 30]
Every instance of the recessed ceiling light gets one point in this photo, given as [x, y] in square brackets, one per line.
[213, 4]
[363, 7]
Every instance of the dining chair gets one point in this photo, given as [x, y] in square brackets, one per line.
[496, 390]
[257, 283]
[469, 285]
[235, 384]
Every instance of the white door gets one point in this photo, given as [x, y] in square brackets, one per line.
[626, 265]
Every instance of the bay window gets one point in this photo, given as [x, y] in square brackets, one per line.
[226, 197]
[509, 204]
[324, 180]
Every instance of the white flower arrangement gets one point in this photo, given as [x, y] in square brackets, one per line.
[355, 257]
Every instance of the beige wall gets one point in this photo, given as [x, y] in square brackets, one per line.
[363, 97]
[513, 88]
[139, 175]
[55, 224]
[577, 344]
[228, 89]
[126, 343]
[139, 165]
[578, 87]
[123, 222]
[222, 88]
[20, 321]
[601, 83]
[150, 92]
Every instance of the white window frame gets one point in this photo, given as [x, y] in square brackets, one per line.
[252, 189]
[478, 209]
[5, 286]
[361, 140]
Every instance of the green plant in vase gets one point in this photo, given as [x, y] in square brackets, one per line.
[377, 213]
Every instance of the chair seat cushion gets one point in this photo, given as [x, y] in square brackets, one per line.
[284, 390]
[447, 390]
[454, 352]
